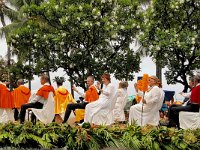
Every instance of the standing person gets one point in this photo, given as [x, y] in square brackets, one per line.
[101, 111]
[89, 96]
[151, 105]
[40, 98]
[62, 98]
[6, 103]
[122, 97]
[21, 96]
[173, 114]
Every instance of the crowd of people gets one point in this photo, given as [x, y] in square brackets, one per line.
[101, 104]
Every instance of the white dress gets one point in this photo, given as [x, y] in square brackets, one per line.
[122, 98]
[101, 111]
[154, 100]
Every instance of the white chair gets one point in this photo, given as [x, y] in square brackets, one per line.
[189, 120]
[46, 114]
[119, 108]
[6, 115]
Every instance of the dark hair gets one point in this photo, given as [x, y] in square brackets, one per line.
[59, 82]
[197, 78]
[45, 77]
[107, 76]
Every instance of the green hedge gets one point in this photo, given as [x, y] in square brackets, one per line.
[95, 138]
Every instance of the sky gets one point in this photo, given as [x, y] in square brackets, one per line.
[147, 66]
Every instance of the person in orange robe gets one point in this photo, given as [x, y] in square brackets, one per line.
[6, 99]
[38, 101]
[89, 96]
[21, 96]
[62, 98]
[6, 103]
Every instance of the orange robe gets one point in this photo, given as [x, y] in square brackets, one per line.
[6, 98]
[91, 95]
[21, 96]
[44, 91]
[62, 98]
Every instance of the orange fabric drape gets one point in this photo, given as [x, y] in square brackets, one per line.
[6, 98]
[91, 94]
[44, 91]
[21, 96]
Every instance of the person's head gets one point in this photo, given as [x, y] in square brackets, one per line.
[123, 84]
[153, 80]
[196, 79]
[6, 82]
[59, 83]
[44, 79]
[191, 82]
[20, 82]
[106, 78]
[90, 81]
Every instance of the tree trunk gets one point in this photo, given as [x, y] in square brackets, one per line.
[8, 51]
[72, 91]
[159, 71]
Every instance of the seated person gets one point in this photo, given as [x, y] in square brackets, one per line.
[191, 106]
[90, 95]
[6, 103]
[38, 101]
[147, 111]
[101, 111]
[173, 113]
[21, 96]
[61, 99]
[122, 97]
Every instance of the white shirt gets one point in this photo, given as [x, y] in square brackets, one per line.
[38, 98]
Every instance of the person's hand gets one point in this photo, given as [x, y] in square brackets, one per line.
[135, 86]
[98, 85]
[180, 93]
[144, 101]
[74, 88]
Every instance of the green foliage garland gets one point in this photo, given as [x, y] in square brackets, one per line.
[116, 136]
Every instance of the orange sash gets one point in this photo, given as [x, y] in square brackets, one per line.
[21, 96]
[44, 91]
[91, 94]
[6, 99]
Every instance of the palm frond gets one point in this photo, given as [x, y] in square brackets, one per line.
[5, 31]
[10, 13]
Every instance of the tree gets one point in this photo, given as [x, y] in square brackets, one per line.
[11, 9]
[171, 33]
[83, 37]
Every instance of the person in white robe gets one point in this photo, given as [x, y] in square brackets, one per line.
[122, 98]
[151, 104]
[100, 112]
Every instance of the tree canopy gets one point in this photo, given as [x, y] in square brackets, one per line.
[86, 37]
[171, 32]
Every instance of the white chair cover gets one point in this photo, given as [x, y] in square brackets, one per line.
[189, 120]
[120, 104]
[6, 115]
[46, 114]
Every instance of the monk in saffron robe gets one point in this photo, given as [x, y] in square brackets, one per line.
[89, 96]
[62, 98]
[6, 102]
[21, 96]
[6, 99]
[38, 101]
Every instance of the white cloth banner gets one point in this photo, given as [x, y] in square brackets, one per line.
[189, 120]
